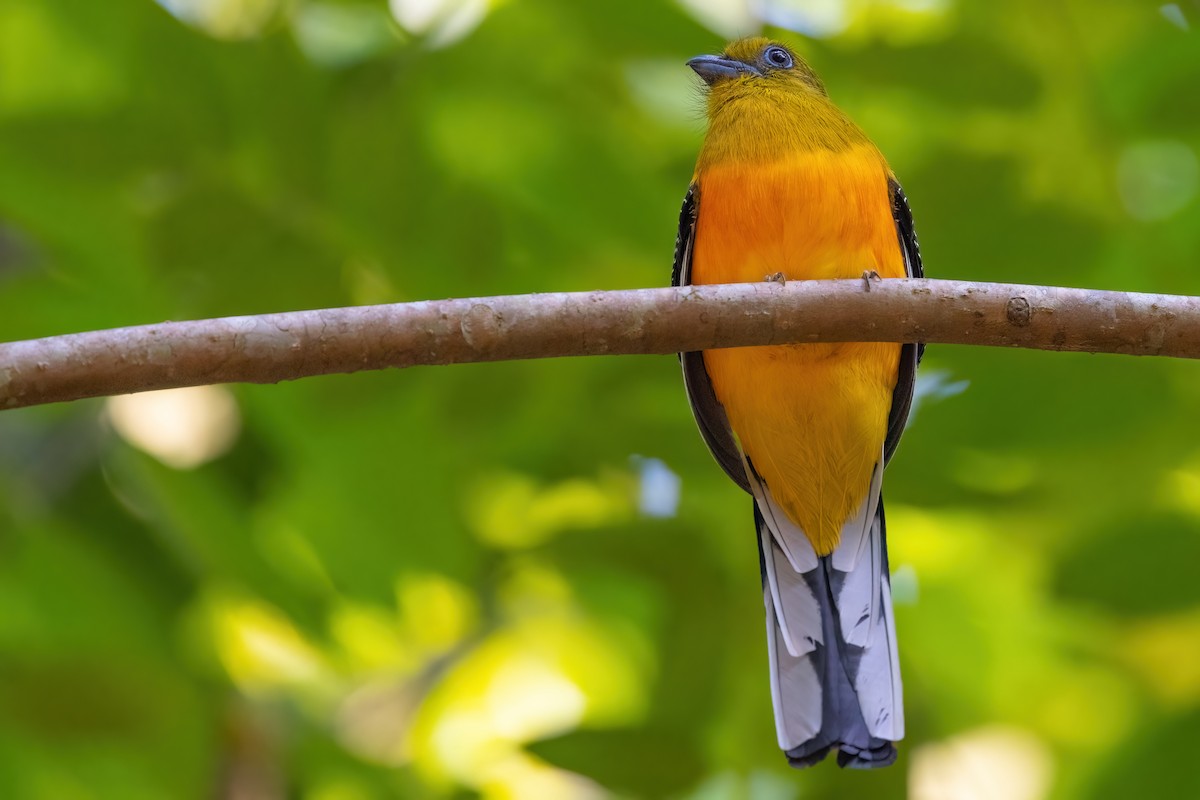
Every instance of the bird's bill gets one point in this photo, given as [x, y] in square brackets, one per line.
[716, 68]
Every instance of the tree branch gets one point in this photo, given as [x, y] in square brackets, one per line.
[274, 347]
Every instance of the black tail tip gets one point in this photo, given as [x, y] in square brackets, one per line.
[883, 755]
[800, 760]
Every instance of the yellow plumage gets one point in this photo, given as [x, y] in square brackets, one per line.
[787, 183]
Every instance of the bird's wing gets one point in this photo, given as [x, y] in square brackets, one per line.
[709, 414]
[910, 354]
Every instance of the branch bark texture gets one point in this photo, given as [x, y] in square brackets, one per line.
[273, 347]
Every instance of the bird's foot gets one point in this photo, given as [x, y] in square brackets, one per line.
[776, 277]
[868, 276]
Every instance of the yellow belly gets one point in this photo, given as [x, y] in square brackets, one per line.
[812, 418]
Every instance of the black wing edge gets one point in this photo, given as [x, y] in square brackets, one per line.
[682, 267]
[910, 354]
[709, 414]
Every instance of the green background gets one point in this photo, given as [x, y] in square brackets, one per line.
[446, 582]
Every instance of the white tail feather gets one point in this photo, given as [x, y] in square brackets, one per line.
[792, 604]
[858, 602]
[795, 544]
[856, 532]
[860, 619]
[794, 684]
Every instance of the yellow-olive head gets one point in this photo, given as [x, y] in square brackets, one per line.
[755, 61]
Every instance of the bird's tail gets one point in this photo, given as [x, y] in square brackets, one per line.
[835, 677]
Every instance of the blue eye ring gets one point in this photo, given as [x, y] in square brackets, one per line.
[778, 57]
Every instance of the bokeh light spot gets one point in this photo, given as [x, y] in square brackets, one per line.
[511, 511]
[442, 22]
[437, 612]
[995, 763]
[225, 19]
[658, 487]
[260, 648]
[183, 428]
[341, 35]
[730, 18]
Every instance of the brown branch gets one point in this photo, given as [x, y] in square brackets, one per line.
[274, 347]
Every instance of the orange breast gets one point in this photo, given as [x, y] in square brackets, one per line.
[812, 417]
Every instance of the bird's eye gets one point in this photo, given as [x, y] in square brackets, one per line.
[778, 57]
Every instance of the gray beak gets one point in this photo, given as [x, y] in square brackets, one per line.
[716, 68]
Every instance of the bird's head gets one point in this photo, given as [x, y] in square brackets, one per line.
[755, 63]
[764, 101]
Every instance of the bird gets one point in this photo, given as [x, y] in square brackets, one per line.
[786, 187]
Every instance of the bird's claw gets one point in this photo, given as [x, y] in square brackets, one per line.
[868, 276]
[776, 277]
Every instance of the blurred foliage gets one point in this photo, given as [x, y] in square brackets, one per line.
[528, 580]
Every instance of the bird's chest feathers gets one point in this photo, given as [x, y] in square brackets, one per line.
[811, 417]
[820, 214]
